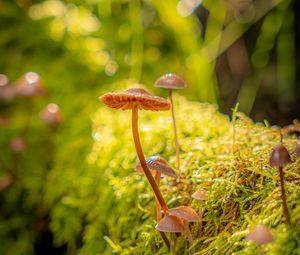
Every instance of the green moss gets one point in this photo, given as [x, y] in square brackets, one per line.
[243, 189]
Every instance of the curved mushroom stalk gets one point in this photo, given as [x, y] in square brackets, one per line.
[135, 99]
[140, 153]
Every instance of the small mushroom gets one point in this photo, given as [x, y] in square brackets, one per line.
[7, 92]
[201, 196]
[171, 224]
[187, 214]
[17, 144]
[137, 99]
[280, 157]
[297, 150]
[6, 181]
[157, 166]
[30, 84]
[260, 236]
[51, 114]
[172, 81]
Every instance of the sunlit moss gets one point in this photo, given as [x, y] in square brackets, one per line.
[241, 185]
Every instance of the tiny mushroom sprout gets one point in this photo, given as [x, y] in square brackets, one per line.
[171, 224]
[260, 236]
[137, 99]
[172, 81]
[201, 195]
[280, 157]
[187, 214]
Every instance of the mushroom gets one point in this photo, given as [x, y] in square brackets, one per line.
[201, 195]
[157, 166]
[30, 84]
[297, 150]
[171, 224]
[260, 236]
[7, 92]
[280, 157]
[17, 144]
[51, 114]
[6, 181]
[187, 214]
[137, 99]
[172, 81]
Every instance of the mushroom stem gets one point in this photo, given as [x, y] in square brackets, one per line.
[158, 208]
[283, 197]
[173, 243]
[165, 239]
[158, 212]
[189, 235]
[175, 131]
[201, 210]
[140, 153]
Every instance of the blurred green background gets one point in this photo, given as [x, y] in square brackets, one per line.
[227, 51]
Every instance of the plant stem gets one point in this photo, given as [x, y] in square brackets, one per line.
[189, 235]
[283, 197]
[175, 131]
[140, 153]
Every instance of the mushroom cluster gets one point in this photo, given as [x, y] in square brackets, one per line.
[177, 220]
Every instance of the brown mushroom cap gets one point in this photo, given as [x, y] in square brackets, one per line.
[200, 194]
[185, 212]
[157, 163]
[280, 157]
[170, 81]
[260, 235]
[297, 150]
[133, 96]
[170, 223]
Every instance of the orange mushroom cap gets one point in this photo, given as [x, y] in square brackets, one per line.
[133, 96]
[260, 235]
[170, 81]
[170, 223]
[157, 163]
[200, 194]
[186, 213]
[280, 157]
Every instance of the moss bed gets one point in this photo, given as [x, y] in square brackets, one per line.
[228, 158]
